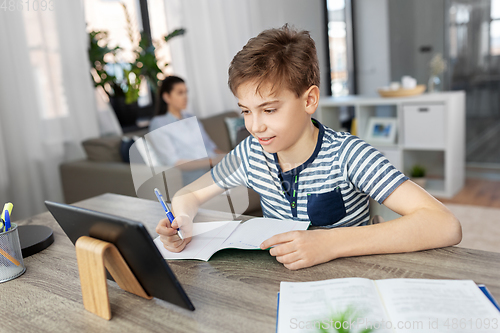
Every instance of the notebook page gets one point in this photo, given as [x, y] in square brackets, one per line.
[309, 306]
[250, 234]
[424, 305]
[207, 239]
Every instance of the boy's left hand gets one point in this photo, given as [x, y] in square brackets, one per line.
[302, 248]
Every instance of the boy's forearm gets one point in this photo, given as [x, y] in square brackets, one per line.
[188, 199]
[185, 202]
[424, 229]
[204, 163]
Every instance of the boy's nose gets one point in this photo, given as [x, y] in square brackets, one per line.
[258, 125]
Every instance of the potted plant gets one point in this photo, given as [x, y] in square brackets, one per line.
[417, 175]
[121, 80]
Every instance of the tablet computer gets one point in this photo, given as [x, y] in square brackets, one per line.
[134, 243]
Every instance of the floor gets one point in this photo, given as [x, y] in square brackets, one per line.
[480, 226]
[478, 192]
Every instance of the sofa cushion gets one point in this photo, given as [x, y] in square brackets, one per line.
[234, 125]
[125, 145]
[217, 130]
[142, 147]
[104, 149]
[241, 135]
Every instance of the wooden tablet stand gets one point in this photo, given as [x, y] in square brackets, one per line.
[93, 256]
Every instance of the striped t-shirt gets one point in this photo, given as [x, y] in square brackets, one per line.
[330, 189]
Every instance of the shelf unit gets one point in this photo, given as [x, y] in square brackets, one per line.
[430, 132]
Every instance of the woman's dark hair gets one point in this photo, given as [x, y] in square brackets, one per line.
[166, 87]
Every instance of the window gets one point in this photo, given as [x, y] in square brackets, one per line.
[459, 19]
[495, 28]
[159, 29]
[110, 16]
[340, 47]
[122, 20]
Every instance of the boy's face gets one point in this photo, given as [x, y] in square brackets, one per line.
[279, 120]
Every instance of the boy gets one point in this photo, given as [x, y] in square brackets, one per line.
[306, 171]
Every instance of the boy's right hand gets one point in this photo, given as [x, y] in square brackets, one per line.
[168, 233]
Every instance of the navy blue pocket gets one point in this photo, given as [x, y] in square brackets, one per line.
[325, 208]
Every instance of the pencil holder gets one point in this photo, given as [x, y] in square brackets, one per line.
[11, 258]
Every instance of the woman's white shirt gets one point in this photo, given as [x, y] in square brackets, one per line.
[179, 139]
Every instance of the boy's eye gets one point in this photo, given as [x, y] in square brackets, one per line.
[269, 110]
[245, 112]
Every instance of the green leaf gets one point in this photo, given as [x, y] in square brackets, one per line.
[367, 330]
[348, 315]
[175, 33]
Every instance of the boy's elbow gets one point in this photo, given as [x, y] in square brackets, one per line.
[453, 230]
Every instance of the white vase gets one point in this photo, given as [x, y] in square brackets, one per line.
[434, 84]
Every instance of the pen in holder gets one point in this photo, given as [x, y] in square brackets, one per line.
[11, 258]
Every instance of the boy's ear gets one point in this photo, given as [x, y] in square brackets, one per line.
[312, 99]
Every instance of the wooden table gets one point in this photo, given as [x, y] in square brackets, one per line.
[234, 292]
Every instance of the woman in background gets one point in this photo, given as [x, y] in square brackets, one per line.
[178, 146]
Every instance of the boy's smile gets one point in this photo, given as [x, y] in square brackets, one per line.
[281, 122]
[266, 141]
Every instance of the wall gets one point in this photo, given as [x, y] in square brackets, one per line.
[414, 24]
[371, 33]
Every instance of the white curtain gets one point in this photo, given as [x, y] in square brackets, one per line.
[216, 30]
[47, 102]
[202, 56]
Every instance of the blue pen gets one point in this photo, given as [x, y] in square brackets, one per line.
[167, 211]
[7, 220]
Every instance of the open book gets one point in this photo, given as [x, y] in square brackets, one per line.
[210, 237]
[392, 305]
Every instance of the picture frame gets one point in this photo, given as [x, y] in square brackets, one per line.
[381, 130]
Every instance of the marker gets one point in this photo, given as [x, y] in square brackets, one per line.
[167, 211]
[6, 208]
[7, 220]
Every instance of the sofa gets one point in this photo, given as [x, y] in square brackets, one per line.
[105, 171]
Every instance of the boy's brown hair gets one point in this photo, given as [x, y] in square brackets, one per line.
[284, 58]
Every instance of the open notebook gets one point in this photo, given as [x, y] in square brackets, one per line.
[210, 237]
[390, 305]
